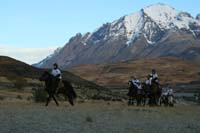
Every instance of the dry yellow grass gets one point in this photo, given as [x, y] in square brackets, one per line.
[98, 117]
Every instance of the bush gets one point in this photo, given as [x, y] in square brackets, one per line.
[39, 95]
[89, 119]
[19, 97]
[29, 98]
[1, 98]
[19, 82]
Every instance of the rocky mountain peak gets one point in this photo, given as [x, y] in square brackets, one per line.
[154, 31]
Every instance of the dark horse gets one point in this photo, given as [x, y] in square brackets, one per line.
[51, 86]
[146, 93]
[155, 94]
[135, 94]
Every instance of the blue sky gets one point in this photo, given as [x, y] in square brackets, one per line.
[32, 29]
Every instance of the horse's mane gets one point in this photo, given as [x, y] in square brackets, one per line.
[47, 72]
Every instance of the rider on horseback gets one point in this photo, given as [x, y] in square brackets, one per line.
[165, 91]
[56, 71]
[154, 77]
[148, 84]
[135, 91]
[57, 74]
[136, 83]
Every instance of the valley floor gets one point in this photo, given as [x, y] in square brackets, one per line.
[97, 117]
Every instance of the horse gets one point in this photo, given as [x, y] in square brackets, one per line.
[146, 93]
[51, 86]
[135, 94]
[164, 100]
[155, 93]
[141, 97]
[68, 91]
[171, 100]
[167, 100]
[132, 93]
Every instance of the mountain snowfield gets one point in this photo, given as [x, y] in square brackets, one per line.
[154, 31]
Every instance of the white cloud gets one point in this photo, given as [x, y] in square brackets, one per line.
[2, 46]
[27, 55]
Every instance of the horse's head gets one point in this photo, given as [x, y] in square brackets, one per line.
[143, 85]
[44, 76]
[130, 83]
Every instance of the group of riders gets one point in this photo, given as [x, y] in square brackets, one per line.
[137, 91]
[147, 89]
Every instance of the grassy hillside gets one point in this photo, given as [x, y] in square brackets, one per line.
[18, 76]
[171, 70]
[12, 68]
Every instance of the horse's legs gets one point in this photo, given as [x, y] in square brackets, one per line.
[150, 100]
[157, 101]
[138, 100]
[144, 100]
[55, 100]
[160, 102]
[48, 99]
[130, 101]
[71, 101]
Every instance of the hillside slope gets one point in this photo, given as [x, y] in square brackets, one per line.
[171, 70]
[12, 70]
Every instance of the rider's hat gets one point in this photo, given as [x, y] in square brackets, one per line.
[55, 64]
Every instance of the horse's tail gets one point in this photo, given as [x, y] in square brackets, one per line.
[70, 89]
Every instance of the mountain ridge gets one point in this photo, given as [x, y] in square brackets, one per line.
[157, 27]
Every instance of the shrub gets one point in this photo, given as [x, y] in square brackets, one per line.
[19, 97]
[1, 98]
[89, 119]
[39, 95]
[19, 82]
[29, 98]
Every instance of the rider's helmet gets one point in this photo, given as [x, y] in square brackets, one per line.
[153, 70]
[55, 65]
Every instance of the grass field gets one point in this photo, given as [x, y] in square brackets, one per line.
[97, 116]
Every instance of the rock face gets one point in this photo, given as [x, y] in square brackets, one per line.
[154, 31]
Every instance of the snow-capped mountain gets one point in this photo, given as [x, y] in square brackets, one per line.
[154, 31]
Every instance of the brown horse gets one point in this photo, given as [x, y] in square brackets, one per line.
[155, 94]
[51, 86]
